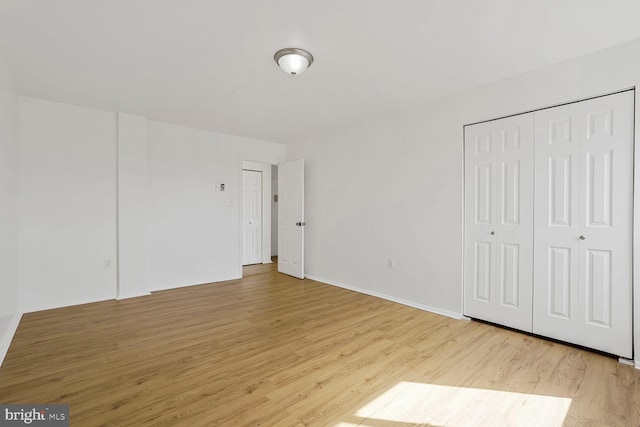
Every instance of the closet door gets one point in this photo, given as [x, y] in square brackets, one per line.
[499, 221]
[583, 223]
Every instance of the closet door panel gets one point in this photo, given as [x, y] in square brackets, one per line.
[583, 223]
[606, 209]
[498, 221]
[555, 299]
[514, 228]
[479, 244]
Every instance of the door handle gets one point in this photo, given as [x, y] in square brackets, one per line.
[300, 224]
[493, 233]
[582, 238]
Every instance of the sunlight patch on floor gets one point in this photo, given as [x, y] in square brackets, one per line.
[437, 405]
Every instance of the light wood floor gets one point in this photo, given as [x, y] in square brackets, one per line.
[271, 350]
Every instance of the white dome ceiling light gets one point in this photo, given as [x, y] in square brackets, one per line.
[293, 60]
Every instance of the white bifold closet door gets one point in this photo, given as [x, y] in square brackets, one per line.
[499, 221]
[583, 223]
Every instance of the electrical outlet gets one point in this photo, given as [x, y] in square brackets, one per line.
[107, 263]
[391, 263]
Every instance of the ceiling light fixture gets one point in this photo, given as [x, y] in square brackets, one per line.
[293, 60]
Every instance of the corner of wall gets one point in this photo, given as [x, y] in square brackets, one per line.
[5, 342]
[9, 219]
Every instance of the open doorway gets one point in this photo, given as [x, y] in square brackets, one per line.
[251, 217]
[282, 215]
[255, 213]
[274, 211]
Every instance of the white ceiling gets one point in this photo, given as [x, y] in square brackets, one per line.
[209, 63]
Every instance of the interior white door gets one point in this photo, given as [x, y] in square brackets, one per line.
[291, 218]
[583, 223]
[499, 221]
[251, 217]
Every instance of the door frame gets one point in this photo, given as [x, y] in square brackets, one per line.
[265, 168]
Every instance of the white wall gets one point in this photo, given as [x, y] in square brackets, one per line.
[67, 205]
[194, 232]
[393, 186]
[9, 277]
[113, 205]
[132, 205]
[380, 190]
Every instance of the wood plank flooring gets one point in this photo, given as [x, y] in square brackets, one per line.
[272, 350]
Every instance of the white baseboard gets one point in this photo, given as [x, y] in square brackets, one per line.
[8, 336]
[626, 361]
[637, 364]
[447, 313]
[127, 296]
[223, 279]
[70, 303]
